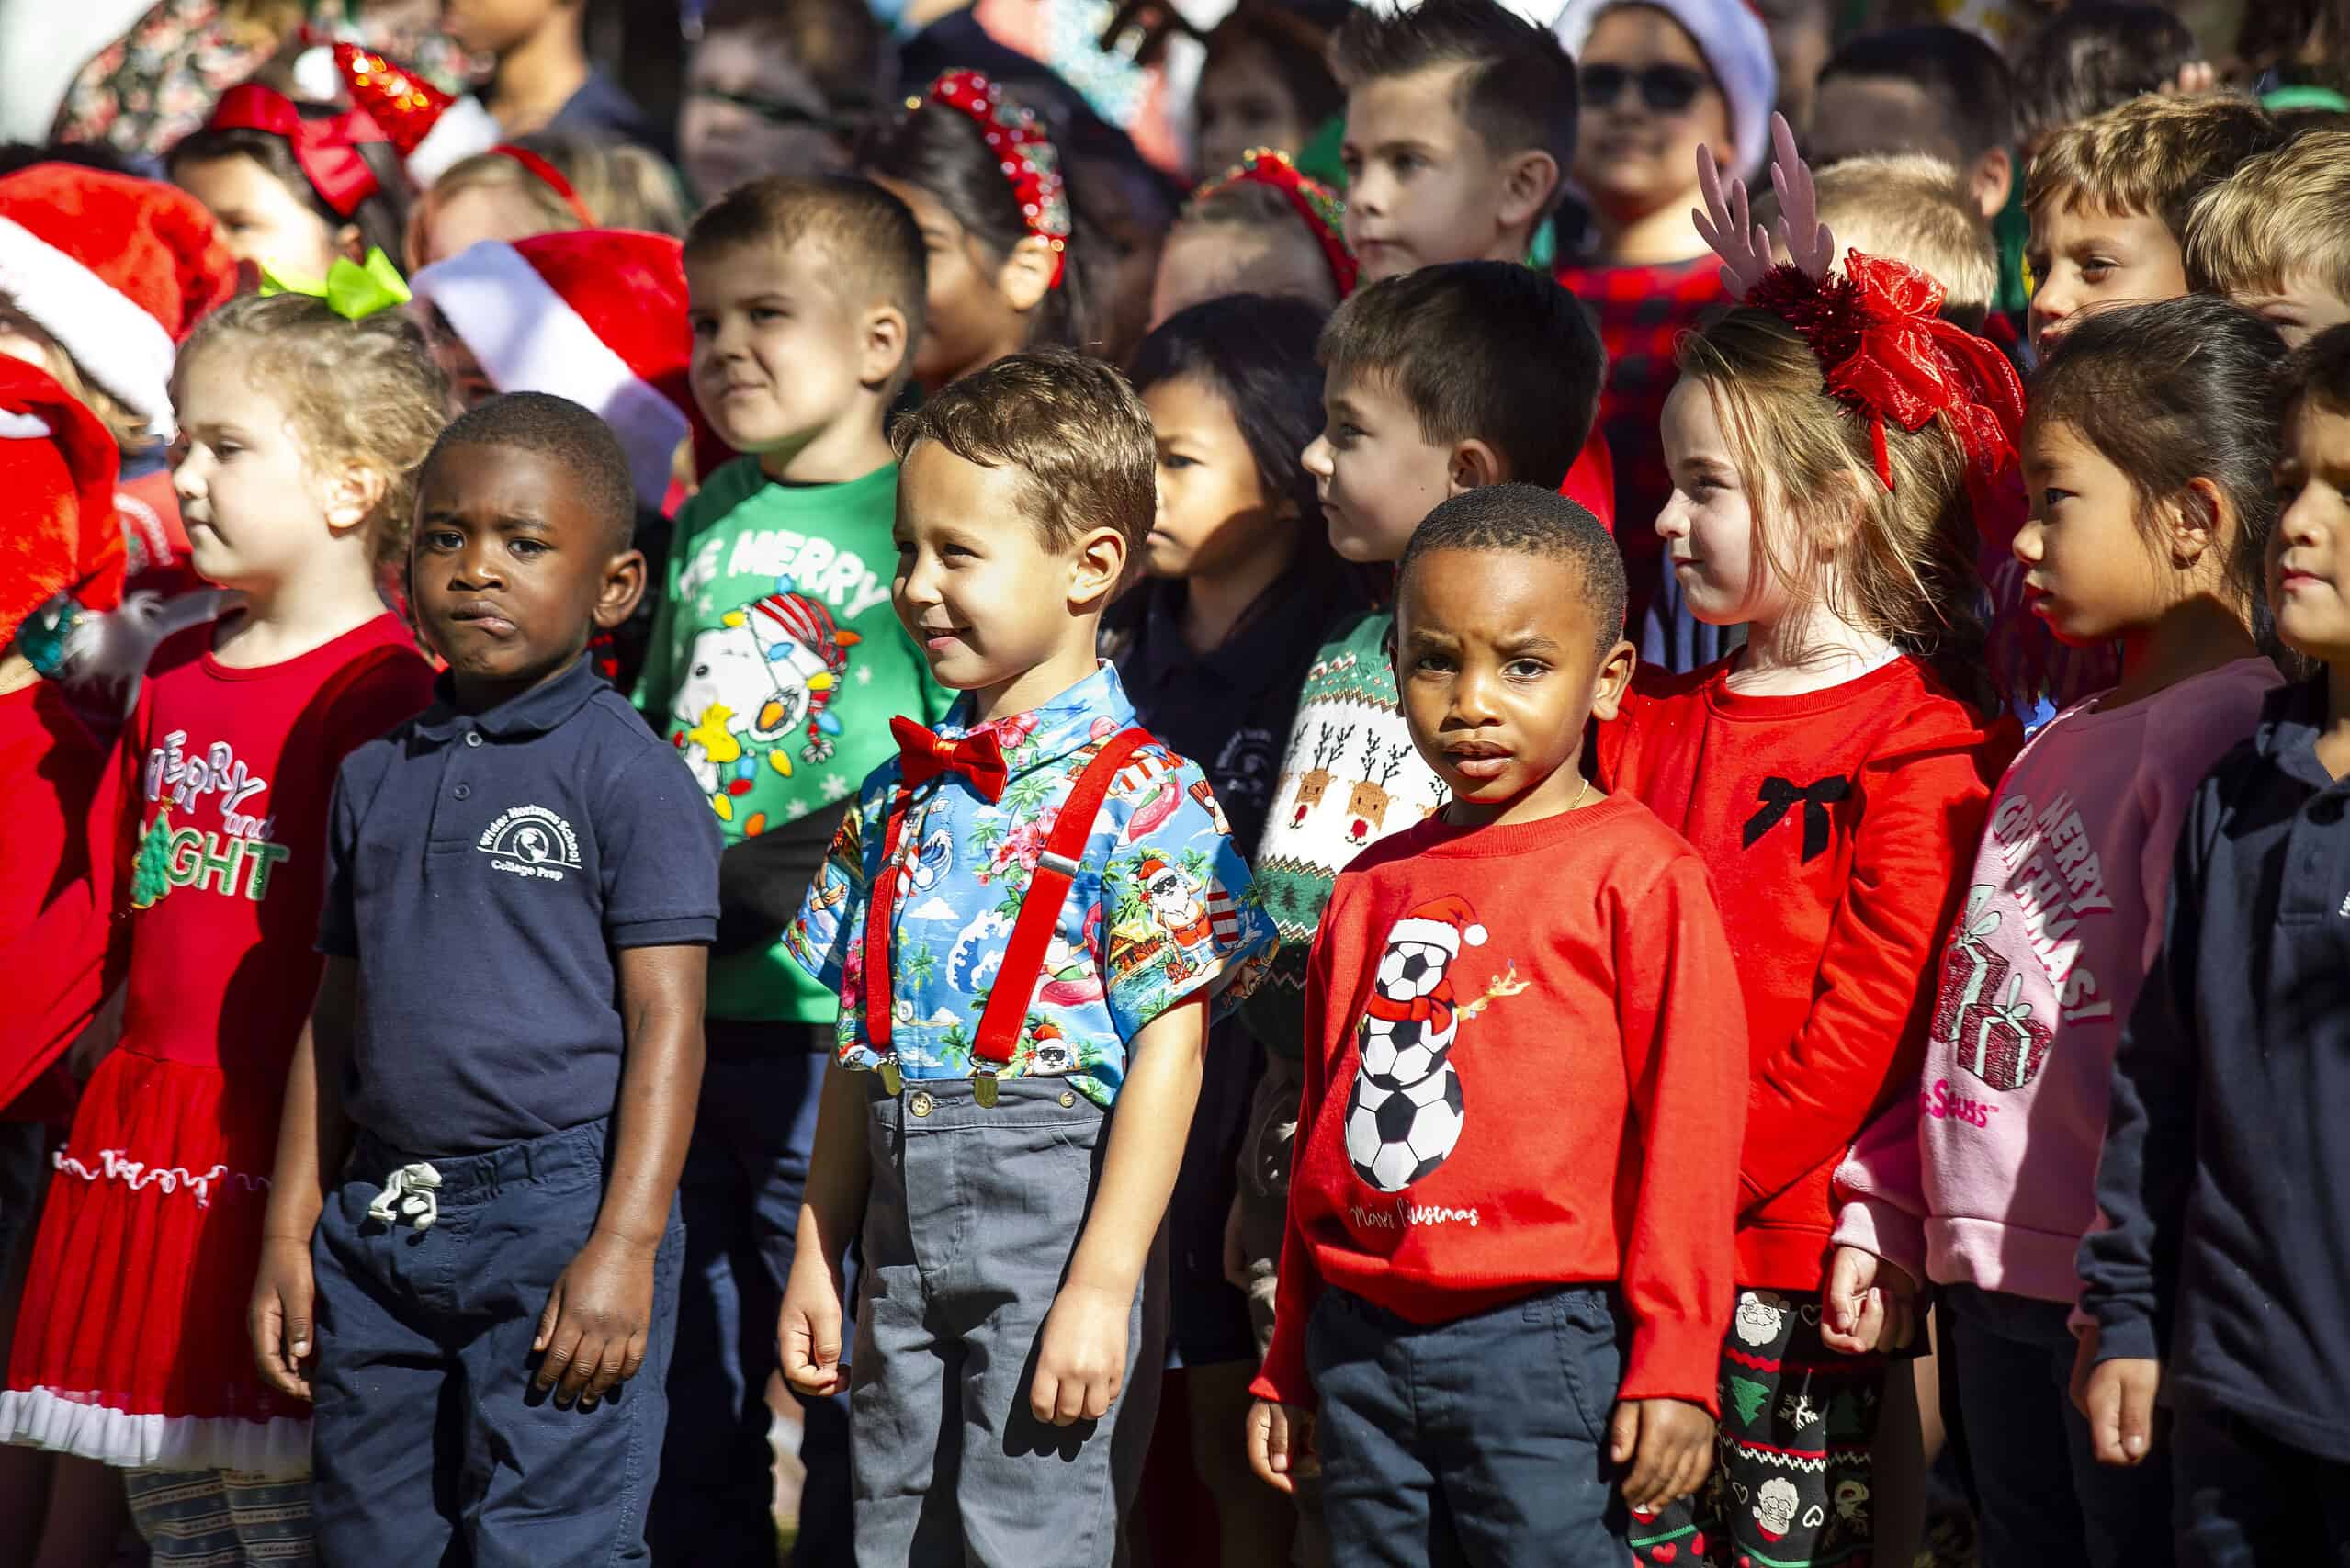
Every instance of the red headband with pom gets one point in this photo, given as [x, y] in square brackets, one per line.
[1025, 154]
[1316, 203]
[326, 149]
[551, 177]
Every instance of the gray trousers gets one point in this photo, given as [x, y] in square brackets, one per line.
[972, 1215]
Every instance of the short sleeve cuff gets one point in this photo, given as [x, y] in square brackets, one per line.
[677, 931]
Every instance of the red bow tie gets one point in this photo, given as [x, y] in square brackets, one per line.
[924, 755]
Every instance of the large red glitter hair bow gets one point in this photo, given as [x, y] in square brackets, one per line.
[1315, 203]
[1031, 166]
[1884, 350]
[326, 148]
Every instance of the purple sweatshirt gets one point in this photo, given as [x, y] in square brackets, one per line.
[1987, 1175]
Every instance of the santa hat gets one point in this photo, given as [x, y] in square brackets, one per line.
[594, 315]
[57, 469]
[118, 270]
[429, 128]
[1444, 922]
[1737, 49]
[805, 621]
[1148, 867]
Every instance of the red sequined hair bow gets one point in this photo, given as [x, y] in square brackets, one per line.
[1315, 203]
[1031, 166]
[326, 148]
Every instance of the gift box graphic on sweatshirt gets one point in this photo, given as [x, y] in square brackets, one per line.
[757, 694]
[1405, 1111]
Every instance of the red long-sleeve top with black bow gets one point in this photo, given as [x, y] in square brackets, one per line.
[1837, 826]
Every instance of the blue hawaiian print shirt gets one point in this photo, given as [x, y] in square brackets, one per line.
[1163, 907]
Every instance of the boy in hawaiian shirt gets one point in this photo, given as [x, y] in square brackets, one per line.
[1009, 1216]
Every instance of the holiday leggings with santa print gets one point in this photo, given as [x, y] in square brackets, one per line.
[1790, 1481]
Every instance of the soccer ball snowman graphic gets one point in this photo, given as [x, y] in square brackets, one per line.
[1403, 1114]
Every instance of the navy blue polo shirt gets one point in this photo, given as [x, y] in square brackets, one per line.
[483, 870]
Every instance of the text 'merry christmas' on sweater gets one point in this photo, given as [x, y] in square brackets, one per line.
[1527, 1067]
[775, 665]
[2225, 1171]
[1988, 1175]
[1351, 777]
[1835, 824]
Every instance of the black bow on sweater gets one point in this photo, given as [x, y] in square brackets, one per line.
[1776, 795]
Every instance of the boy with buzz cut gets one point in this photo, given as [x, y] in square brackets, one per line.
[474, 1200]
[775, 667]
[2274, 236]
[2216, 1287]
[1451, 377]
[1030, 913]
[1509, 1242]
[1460, 128]
[2109, 200]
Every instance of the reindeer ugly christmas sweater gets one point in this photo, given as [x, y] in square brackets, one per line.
[1526, 1066]
[1350, 778]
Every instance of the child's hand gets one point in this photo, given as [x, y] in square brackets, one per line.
[1082, 1357]
[807, 1331]
[591, 1334]
[1281, 1444]
[280, 1318]
[2117, 1396]
[1870, 1305]
[1668, 1443]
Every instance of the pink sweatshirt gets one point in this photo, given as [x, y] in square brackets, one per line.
[1988, 1175]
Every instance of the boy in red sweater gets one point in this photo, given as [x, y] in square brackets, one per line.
[1484, 1242]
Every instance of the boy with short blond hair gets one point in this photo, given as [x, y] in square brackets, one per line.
[775, 667]
[2109, 200]
[1909, 207]
[1030, 913]
[1460, 128]
[2274, 236]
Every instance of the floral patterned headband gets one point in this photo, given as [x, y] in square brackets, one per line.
[1316, 203]
[1031, 164]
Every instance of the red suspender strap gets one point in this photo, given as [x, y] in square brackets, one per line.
[880, 919]
[1040, 906]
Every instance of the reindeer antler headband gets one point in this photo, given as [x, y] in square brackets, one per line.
[1031, 166]
[1884, 349]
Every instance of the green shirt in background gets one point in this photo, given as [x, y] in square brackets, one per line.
[775, 668]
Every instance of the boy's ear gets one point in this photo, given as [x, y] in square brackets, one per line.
[623, 585]
[884, 346]
[1473, 466]
[353, 494]
[1614, 677]
[1992, 181]
[1528, 179]
[1026, 276]
[1096, 569]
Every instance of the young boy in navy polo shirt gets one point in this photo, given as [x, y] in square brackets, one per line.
[1027, 914]
[474, 1198]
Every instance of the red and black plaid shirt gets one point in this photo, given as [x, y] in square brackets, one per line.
[1642, 312]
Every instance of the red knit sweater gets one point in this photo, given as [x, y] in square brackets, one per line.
[1837, 826]
[1524, 1066]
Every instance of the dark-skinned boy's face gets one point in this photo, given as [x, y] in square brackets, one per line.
[1499, 666]
[513, 568]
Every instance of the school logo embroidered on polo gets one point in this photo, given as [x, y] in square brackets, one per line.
[531, 840]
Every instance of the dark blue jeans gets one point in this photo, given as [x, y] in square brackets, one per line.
[2043, 1497]
[1478, 1441]
[745, 1174]
[2246, 1500]
[429, 1443]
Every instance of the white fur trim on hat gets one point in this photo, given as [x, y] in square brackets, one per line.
[528, 338]
[1429, 934]
[112, 341]
[464, 129]
[1737, 49]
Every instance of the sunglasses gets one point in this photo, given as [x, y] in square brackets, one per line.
[1665, 89]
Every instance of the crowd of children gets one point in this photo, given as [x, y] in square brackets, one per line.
[1579, 827]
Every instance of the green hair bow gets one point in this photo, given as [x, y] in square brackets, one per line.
[353, 290]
